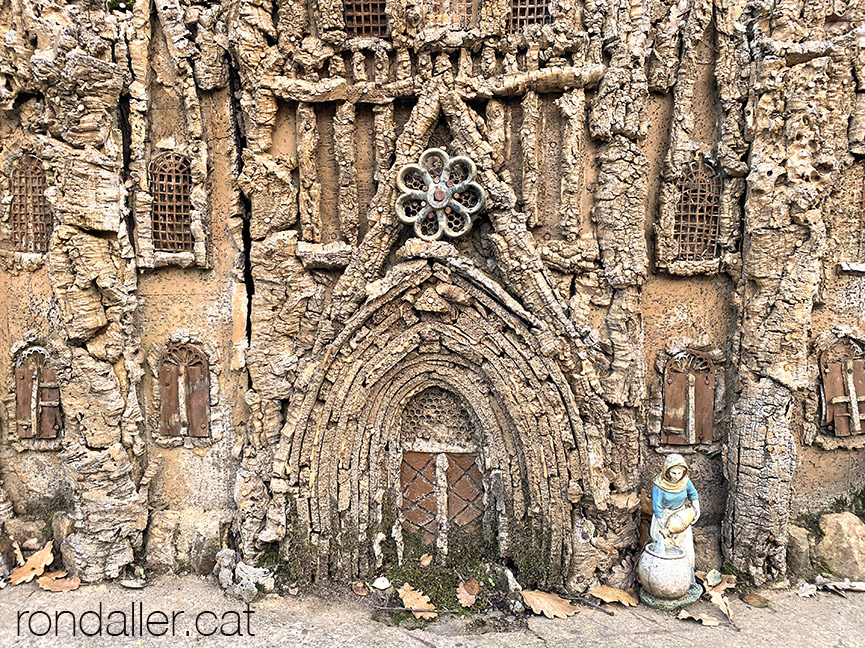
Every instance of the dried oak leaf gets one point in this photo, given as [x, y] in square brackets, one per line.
[755, 600]
[55, 582]
[466, 598]
[615, 595]
[425, 560]
[727, 581]
[416, 601]
[34, 566]
[705, 619]
[472, 586]
[722, 602]
[550, 605]
[359, 588]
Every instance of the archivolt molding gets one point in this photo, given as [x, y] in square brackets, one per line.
[427, 323]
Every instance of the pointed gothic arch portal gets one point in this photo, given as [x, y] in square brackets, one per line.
[443, 363]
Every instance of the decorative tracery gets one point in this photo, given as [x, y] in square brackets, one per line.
[697, 215]
[170, 186]
[184, 377]
[30, 214]
[439, 195]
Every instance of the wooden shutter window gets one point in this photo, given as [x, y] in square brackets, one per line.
[184, 382]
[37, 397]
[689, 399]
[844, 394]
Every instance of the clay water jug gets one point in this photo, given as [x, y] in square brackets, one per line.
[665, 573]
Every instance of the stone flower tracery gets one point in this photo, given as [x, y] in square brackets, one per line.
[439, 195]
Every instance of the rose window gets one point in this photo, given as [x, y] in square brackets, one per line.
[438, 195]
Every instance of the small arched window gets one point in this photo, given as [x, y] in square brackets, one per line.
[697, 215]
[29, 214]
[689, 399]
[528, 12]
[170, 184]
[37, 396]
[184, 379]
[365, 17]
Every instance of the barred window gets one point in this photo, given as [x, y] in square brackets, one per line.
[696, 226]
[170, 184]
[37, 396]
[455, 14]
[30, 215]
[365, 17]
[528, 12]
[184, 380]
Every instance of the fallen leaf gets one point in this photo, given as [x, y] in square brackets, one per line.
[34, 566]
[134, 583]
[727, 582]
[425, 560]
[466, 598]
[705, 619]
[755, 600]
[19, 557]
[55, 582]
[359, 588]
[807, 589]
[701, 575]
[472, 586]
[615, 595]
[416, 601]
[551, 606]
[722, 602]
[839, 586]
[713, 577]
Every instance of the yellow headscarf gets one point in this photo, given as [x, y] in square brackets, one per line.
[664, 481]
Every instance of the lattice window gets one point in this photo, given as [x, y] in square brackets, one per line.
[419, 504]
[37, 396]
[528, 12]
[184, 379]
[365, 17]
[697, 215]
[170, 184]
[29, 213]
[689, 399]
[842, 369]
[421, 476]
[455, 14]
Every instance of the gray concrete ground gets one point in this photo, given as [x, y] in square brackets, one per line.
[340, 620]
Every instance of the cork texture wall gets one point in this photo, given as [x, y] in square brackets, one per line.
[328, 280]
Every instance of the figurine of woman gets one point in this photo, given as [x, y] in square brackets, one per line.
[672, 519]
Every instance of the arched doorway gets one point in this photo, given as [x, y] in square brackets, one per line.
[441, 482]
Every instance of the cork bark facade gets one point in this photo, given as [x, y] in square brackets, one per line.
[200, 245]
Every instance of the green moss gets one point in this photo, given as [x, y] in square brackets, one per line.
[529, 553]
